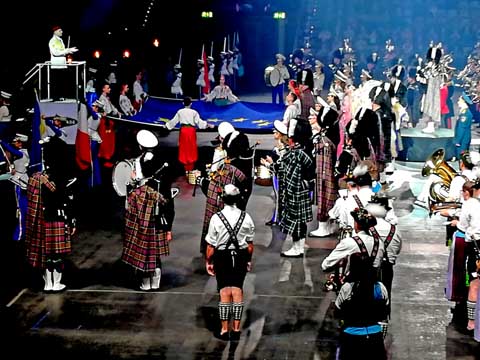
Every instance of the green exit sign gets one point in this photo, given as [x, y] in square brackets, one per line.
[207, 14]
[279, 15]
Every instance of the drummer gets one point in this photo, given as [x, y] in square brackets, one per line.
[278, 76]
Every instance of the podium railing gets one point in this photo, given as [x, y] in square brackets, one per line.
[40, 68]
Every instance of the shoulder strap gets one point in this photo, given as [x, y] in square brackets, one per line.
[232, 232]
[363, 248]
[357, 200]
[389, 238]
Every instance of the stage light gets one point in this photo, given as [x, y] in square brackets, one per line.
[96, 54]
[279, 15]
[126, 54]
[156, 42]
[207, 14]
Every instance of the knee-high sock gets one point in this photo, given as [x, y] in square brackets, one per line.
[224, 311]
[237, 309]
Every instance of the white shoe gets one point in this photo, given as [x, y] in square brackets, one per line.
[47, 277]
[57, 277]
[389, 169]
[430, 129]
[146, 284]
[296, 251]
[156, 279]
[323, 230]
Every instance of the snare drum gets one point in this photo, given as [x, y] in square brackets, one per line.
[122, 176]
[263, 176]
[272, 76]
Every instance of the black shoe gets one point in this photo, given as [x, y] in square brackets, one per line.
[225, 336]
[235, 335]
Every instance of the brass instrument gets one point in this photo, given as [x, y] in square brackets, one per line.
[439, 206]
[439, 190]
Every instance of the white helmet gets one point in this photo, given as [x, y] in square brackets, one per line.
[147, 139]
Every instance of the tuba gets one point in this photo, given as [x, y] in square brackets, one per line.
[439, 190]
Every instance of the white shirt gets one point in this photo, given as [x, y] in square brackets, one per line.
[187, 116]
[126, 105]
[469, 220]
[291, 112]
[348, 246]
[221, 92]
[21, 166]
[4, 113]
[109, 108]
[456, 185]
[284, 74]
[395, 246]
[364, 194]
[93, 128]
[138, 91]
[218, 235]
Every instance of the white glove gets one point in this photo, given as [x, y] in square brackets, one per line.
[72, 50]
[148, 156]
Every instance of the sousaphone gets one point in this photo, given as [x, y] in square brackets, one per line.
[439, 190]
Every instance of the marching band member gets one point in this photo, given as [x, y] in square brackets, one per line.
[391, 238]
[241, 155]
[362, 305]
[20, 179]
[307, 100]
[362, 242]
[50, 219]
[296, 172]
[225, 174]
[229, 258]
[149, 216]
[220, 154]
[280, 134]
[468, 223]
[278, 91]
[325, 132]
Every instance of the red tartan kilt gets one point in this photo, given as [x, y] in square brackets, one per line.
[144, 254]
[57, 239]
[187, 145]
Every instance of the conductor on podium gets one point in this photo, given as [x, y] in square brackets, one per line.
[58, 60]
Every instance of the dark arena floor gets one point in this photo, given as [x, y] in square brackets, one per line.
[288, 314]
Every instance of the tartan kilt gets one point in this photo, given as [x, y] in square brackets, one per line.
[326, 188]
[143, 243]
[42, 238]
[298, 210]
[228, 175]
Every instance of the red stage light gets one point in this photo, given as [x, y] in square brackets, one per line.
[96, 54]
[126, 54]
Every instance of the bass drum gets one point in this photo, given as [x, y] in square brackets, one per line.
[122, 176]
[272, 76]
